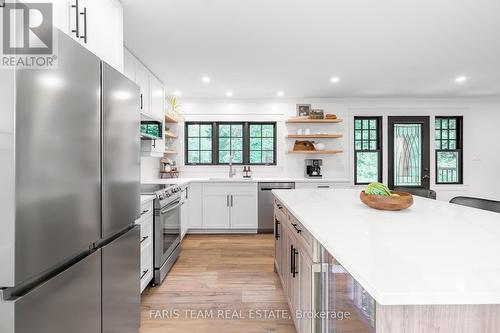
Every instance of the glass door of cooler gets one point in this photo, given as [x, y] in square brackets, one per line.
[345, 305]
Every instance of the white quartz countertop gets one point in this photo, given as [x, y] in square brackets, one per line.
[147, 197]
[431, 253]
[182, 181]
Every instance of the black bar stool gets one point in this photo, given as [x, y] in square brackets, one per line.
[491, 205]
[419, 192]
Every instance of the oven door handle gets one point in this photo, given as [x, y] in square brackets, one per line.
[178, 203]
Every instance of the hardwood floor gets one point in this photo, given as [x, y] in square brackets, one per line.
[220, 283]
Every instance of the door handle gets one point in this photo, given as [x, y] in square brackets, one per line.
[291, 259]
[227, 200]
[77, 23]
[142, 105]
[426, 177]
[276, 229]
[232, 200]
[84, 14]
[144, 273]
[294, 272]
[144, 238]
[294, 225]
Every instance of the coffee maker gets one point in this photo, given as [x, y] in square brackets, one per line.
[313, 168]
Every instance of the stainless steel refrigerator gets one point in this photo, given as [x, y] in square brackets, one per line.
[69, 196]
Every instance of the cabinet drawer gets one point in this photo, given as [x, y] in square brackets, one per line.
[146, 272]
[303, 236]
[146, 231]
[278, 207]
[146, 211]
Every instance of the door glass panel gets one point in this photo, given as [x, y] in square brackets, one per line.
[407, 154]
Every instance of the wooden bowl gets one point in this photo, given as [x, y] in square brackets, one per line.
[381, 202]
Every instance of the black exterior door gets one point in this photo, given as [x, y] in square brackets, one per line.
[409, 158]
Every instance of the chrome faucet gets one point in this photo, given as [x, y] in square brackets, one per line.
[232, 172]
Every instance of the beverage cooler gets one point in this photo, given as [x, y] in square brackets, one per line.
[344, 304]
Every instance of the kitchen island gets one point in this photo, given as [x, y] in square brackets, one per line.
[431, 268]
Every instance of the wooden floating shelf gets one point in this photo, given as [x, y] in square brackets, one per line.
[324, 152]
[315, 136]
[171, 119]
[170, 136]
[313, 121]
[170, 152]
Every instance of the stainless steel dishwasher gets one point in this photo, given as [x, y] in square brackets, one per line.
[266, 211]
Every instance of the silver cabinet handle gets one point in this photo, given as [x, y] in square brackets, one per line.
[144, 238]
[323, 186]
[231, 200]
[227, 200]
[77, 23]
[144, 273]
[84, 14]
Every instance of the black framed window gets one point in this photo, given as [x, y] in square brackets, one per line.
[367, 150]
[262, 143]
[199, 143]
[230, 143]
[251, 143]
[449, 153]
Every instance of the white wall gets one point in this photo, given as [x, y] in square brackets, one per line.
[481, 124]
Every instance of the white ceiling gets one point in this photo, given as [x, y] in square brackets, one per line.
[378, 48]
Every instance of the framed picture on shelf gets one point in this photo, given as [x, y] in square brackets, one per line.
[317, 114]
[303, 110]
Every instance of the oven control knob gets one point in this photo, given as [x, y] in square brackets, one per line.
[160, 197]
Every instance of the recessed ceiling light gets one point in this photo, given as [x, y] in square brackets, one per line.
[177, 93]
[335, 79]
[461, 79]
[280, 93]
[229, 93]
[206, 79]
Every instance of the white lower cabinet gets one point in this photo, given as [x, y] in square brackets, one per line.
[216, 209]
[146, 223]
[195, 195]
[230, 206]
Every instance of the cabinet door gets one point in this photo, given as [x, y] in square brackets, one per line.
[157, 98]
[305, 291]
[277, 243]
[244, 210]
[216, 209]
[284, 271]
[185, 212]
[129, 64]
[142, 79]
[195, 217]
[101, 30]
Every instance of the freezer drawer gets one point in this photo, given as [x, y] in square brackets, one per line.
[69, 302]
[121, 284]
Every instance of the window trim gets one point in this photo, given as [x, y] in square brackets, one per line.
[246, 141]
[379, 149]
[459, 150]
[186, 141]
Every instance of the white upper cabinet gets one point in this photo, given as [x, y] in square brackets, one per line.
[157, 98]
[101, 29]
[128, 65]
[142, 79]
[96, 24]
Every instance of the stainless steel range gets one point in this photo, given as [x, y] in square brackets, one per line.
[167, 227]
